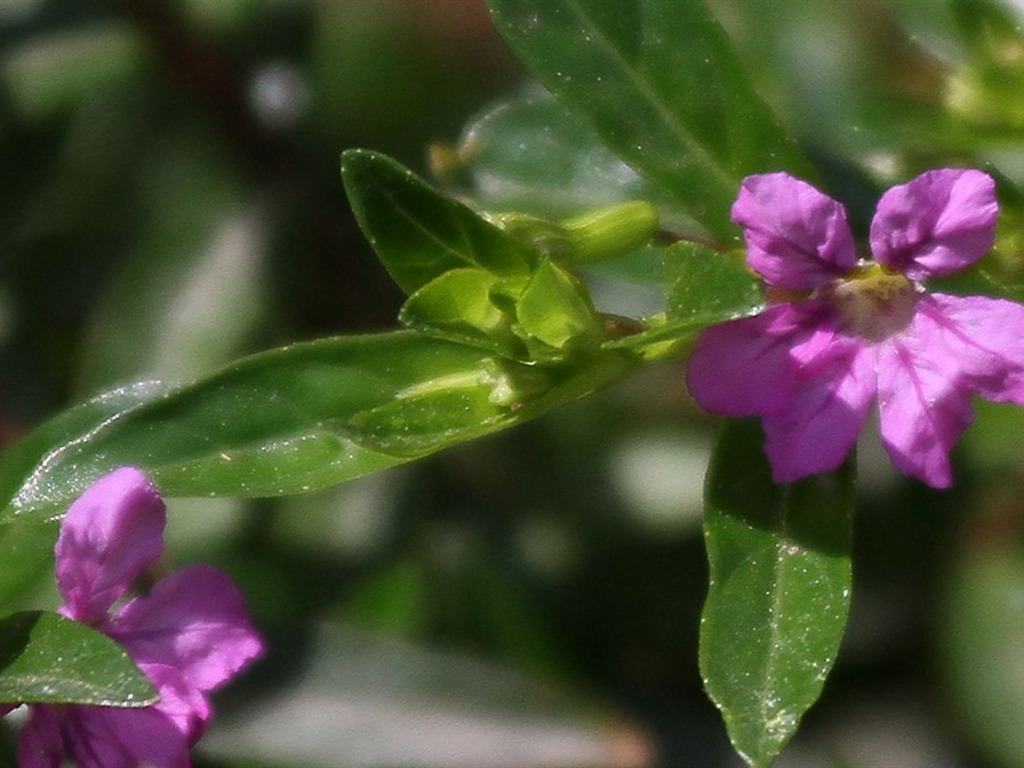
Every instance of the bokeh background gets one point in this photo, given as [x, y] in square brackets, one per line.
[170, 200]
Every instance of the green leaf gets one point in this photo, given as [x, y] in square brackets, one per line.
[293, 419]
[555, 313]
[26, 550]
[533, 155]
[660, 84]
[46, 658]
[704, 288]
[541, 319]
[26, 558]
[779, 590]
[18, 463]
[707, 283]
[417, 232]
[468, 305]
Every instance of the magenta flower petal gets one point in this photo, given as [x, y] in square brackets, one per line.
[41, 744]
[811, 368]
[190, 634]
[746, 367]
[194, 620]
[923, 404]
[796, 237]
[816, 432]
[181, 703]
[936, 224]
[108, 537]
[108, 737]
[986, 339]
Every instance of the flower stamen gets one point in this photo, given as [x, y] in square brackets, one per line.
[873, 302]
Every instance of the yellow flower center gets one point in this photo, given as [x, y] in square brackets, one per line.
[873, 302]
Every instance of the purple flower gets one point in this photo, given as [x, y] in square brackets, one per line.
[189, 634]
[849, 332]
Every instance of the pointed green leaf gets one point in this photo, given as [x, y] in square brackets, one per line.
[293, 419]
[540, 319]
[18, 462]
[659, 82]
[555, 313]
[779, 591]
[417, 232]
[46, 658]
[467, 305]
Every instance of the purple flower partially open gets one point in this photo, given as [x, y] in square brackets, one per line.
[189, 634]
[862, 331]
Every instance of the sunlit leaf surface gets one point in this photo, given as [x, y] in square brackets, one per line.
[660, 84]
[419, 233]
[48, 659]
[779, 592]
[292, 419]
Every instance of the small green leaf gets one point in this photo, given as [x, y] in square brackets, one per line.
[417, 232]
[660, 84]
[779, 591]
[555, 314]
[540, 319]
[467, 305]
[46, 658]
[703, 288]
[293, 419]
[706, 284]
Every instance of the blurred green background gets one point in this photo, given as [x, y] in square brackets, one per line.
[170, 200]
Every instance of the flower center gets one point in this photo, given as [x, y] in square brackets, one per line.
[873, 302]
